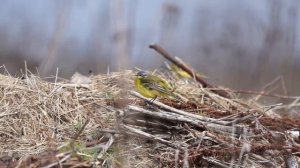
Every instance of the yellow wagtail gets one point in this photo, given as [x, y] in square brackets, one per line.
[152, 86]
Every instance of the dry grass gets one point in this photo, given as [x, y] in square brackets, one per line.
[40, 122]
[37, 115]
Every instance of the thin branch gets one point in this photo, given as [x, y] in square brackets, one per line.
[214, 162]
[105, 147]
[146, 135]
[162, 115]
[59, 162]
[189, 70]
[174, 110]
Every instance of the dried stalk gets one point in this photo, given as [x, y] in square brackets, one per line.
[142, 134]
[162, 115]
[171, 109]
[59, 162]
[191, 72]
[215, 162]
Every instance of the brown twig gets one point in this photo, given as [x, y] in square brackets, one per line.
[163, 115]
[59, 162]
[189, 70]
[216, 162]
[146, 135]
[180, 112]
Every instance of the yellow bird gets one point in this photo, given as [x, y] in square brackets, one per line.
[183, 74]
[180, 72]
[151, 86]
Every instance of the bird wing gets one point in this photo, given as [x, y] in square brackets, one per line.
[156, 85]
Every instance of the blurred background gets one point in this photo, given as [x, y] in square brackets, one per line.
[237, 44]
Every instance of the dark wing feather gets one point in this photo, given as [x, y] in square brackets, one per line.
[156, 85]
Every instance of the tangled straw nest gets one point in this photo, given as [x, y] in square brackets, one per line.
[104, 123]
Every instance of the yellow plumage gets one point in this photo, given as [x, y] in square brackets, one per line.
[180, 72]
[152, 86]
[183, 74]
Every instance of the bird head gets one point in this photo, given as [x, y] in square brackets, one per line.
[142, 74]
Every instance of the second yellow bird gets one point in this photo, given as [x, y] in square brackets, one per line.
[183, 74]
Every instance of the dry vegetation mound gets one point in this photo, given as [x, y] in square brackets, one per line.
[100, 121]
